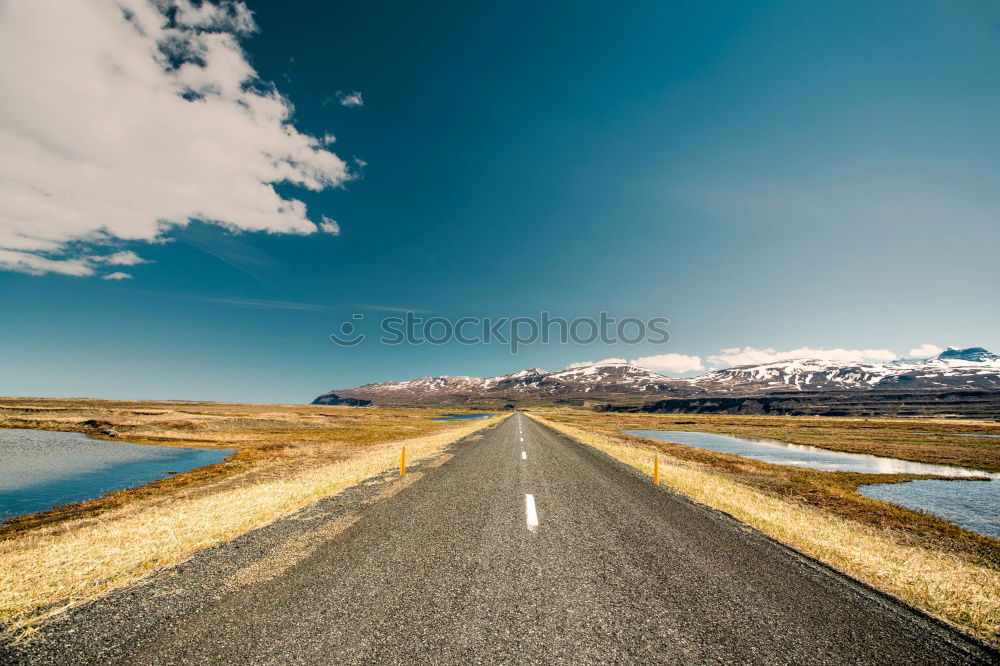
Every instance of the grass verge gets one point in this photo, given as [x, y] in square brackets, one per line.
[949, 578]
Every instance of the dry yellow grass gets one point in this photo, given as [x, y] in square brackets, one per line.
[269, 441]
[948, 585]
[929, 440]
[48, 569]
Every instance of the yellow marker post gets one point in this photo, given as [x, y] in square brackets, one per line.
[656, 471]
[402, 461]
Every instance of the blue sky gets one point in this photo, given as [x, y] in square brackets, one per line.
[764, 174]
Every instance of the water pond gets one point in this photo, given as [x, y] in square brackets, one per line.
[972, 505]
[462, 417]
[41, 469]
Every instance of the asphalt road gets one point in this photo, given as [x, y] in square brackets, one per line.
[524, 547]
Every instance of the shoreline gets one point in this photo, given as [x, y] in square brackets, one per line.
[254, 449]
[248, 557]
[286, 458]
[76, 508]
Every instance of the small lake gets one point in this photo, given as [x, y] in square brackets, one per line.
[42, 469]
[462, 417]
[972, 505]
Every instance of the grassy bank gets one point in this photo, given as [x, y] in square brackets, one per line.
[269, 440]
[936, 441]
[287, 457]
[929, 563]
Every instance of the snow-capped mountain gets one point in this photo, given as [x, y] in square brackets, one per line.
[956, 356]
[953, 369]
[602, 380]
[969, 368]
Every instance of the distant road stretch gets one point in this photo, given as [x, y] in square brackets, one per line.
[525, 547]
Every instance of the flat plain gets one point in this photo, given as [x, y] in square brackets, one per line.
[289, 458]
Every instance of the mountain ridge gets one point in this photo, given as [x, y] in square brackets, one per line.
[972, 368]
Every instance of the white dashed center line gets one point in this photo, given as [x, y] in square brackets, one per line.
[524, 455]
[532, 516]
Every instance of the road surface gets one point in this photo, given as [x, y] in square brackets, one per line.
[524, 547]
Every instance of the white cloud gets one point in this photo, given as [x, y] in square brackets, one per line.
[117, 275]
[229, 17]
[126, 258]
[329, 226]
[83, 266]
[676, 363]
[581, 364]
[751, 356]
[34, 264]
[350, 99]
[329, 139]
[925, 351]
[116, 125]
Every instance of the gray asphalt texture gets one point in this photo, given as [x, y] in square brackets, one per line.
[443, 569]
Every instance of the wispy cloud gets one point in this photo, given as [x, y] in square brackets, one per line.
[237, 301]
[156, 140]
[259, 303]
[125, 258]
[117, 275]
[750, 356]
[82, 266]
[391, 308]
[675, 363]
[925, 351]
[239, 252]
[582, 364]
[736, 356]
[329, 226]
[352, 99]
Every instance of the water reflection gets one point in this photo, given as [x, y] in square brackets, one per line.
[461, 417]
[972, 505]
[803, 455]
[43, 469]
